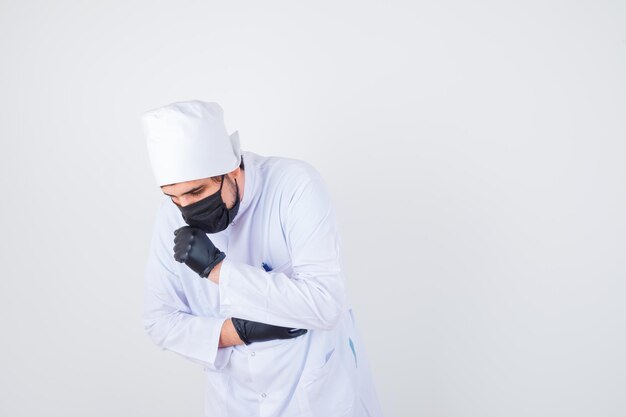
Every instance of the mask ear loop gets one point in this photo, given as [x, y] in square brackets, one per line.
[237, 200]
[236, 185]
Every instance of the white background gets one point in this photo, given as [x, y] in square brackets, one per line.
[476, 155]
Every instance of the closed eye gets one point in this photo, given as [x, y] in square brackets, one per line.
[194, 193]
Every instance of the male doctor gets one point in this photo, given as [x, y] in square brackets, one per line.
[245, 276]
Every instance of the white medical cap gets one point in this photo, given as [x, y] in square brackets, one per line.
[187, 140]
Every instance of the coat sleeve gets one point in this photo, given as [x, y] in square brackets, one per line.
[167, 317]
[313, 295]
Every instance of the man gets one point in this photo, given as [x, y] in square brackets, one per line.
[245, 276]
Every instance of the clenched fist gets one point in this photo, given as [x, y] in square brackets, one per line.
[193, 247]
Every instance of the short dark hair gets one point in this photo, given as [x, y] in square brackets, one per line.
[217, 177]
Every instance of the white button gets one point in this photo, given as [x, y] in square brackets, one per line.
[264, 395]
[253, 353]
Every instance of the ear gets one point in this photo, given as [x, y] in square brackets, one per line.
[232, 175]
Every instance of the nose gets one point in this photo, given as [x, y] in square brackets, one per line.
[180, 201]
[184, 201]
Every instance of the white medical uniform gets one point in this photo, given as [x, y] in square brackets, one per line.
[287, 222]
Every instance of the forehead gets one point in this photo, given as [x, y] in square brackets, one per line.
[183, 187]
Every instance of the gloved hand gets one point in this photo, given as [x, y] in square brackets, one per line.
[193, 247]
[252, 331]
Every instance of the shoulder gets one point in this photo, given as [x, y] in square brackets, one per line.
[288, 174]
[294, 184]
[303, 189]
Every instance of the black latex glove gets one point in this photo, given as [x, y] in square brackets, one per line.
[252, 331]
[193, 247]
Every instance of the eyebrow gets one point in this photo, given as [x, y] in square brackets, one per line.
[187, 192]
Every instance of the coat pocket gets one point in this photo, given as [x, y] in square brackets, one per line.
[328, 390]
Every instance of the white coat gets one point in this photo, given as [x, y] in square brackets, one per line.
[287, 222]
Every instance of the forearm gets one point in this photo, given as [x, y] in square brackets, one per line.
[228, 335]
[306, 300]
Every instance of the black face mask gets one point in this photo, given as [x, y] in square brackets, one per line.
[211, 214]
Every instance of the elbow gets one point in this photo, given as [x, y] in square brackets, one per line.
[329, 315]
[330, 320]
[158, 323]
[330, 305]
[151, 328]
